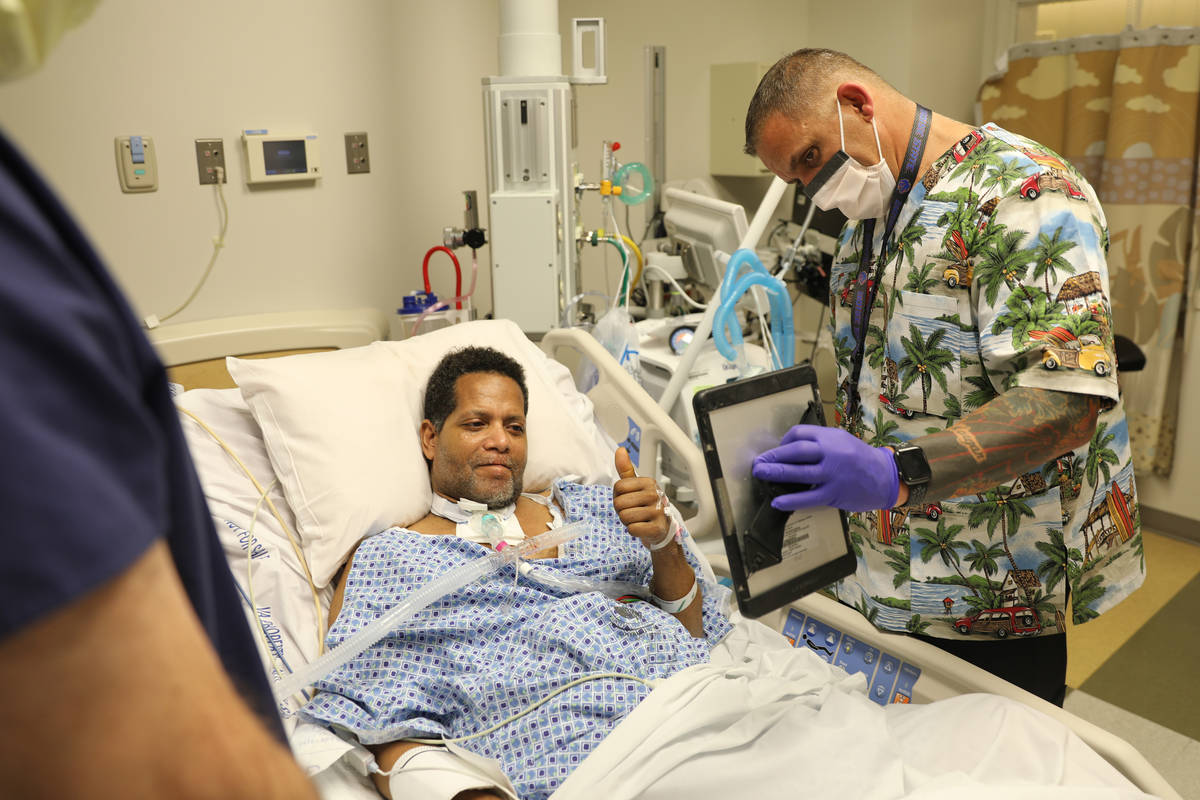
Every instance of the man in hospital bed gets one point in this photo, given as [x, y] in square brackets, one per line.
[738, 710]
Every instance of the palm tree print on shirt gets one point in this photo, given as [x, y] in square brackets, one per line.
[1047, 256]
[1002, 262]
[998, 508]
[1028, 310]
[925, 359]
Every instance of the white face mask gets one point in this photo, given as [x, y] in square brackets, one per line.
[857, 191]
[29, 30]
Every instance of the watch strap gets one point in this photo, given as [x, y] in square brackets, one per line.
[916, 494]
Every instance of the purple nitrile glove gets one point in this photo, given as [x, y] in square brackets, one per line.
[841, 470]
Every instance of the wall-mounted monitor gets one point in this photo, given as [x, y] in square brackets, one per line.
[273, 156]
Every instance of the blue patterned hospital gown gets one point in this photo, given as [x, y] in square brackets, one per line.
[489, 650]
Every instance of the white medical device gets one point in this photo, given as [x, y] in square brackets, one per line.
[532, 203]
[277, 156]
[703, 227]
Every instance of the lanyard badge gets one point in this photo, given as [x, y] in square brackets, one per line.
[870, 270]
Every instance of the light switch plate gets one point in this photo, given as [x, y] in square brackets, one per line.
[358, 159]
[137, 163]
[210, 154]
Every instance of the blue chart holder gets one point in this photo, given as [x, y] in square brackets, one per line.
[889, 679]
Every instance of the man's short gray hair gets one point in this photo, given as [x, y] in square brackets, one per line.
[798, 84]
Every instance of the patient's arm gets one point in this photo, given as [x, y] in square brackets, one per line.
[637, 503]
[119, 694]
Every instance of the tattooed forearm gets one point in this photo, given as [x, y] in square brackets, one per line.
[970, 441]
[1014, 433]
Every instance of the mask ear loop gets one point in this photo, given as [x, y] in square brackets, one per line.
[878, 146]
[841, 124]
[842, 130]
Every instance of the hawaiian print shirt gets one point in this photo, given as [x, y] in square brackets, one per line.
[995, 278]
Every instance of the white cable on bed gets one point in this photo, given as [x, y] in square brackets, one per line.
[647, 683]
[250, 574]
[279, 518]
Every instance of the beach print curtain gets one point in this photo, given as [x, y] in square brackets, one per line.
[1124, 109]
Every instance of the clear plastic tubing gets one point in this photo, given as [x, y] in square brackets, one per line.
[573, 583]
[418, 601]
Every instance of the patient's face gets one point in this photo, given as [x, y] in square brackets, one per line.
[480, 452]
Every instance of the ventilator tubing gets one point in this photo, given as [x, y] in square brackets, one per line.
[417, 602]
[727, 333]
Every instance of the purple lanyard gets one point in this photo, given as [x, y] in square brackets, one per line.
[865, 289]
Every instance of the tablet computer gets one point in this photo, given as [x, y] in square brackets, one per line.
[774, 556]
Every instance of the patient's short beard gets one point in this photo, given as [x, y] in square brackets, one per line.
[461, 486]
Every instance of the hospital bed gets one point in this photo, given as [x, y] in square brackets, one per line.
[286, 532]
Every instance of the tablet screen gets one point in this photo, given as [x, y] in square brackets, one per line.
[775, 556]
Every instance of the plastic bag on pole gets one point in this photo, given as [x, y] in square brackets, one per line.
[616, 332]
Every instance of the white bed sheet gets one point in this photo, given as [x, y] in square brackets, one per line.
[764, 719]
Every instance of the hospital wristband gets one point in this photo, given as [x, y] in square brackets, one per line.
[675, 606]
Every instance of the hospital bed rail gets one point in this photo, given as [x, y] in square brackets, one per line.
[619, 400]
[944, 675]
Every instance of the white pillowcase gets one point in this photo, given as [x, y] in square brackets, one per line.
[341, 429]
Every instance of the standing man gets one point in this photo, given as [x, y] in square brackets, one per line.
[127, 668]
[983, 443]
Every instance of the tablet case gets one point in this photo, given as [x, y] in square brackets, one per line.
[763, 539]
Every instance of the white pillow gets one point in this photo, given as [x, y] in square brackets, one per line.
[284, 622]
[341, 429]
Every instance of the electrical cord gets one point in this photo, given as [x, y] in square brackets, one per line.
[534, 706]
[278, 662]
[655, 217]
[677, 287]
[153, 321]
[242, 593]
[279, 518]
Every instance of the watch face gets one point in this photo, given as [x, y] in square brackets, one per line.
[911, 463]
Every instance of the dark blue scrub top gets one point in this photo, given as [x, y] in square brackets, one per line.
[93, 464]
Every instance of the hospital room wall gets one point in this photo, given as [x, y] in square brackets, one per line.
[181, 71]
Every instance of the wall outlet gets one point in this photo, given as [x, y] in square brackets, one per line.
[210, 154]
[358, 159]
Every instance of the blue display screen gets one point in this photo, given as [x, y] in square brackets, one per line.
[284, 157]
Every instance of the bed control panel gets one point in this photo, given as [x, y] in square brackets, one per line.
[889, 679]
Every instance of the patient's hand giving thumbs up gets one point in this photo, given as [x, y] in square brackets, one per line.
[638, 504]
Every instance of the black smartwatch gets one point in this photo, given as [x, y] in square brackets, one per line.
[914, 471]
